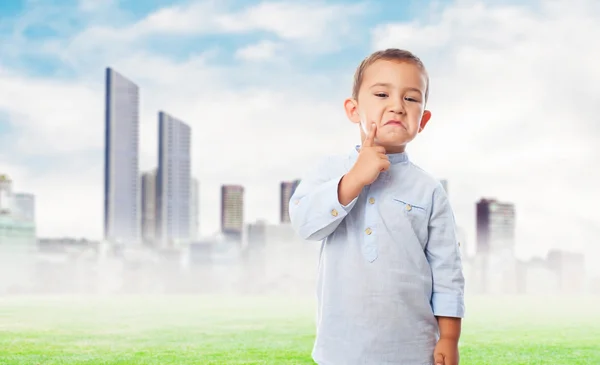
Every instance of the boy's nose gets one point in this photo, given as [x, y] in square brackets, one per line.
[397, 108]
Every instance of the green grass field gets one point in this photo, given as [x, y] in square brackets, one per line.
[236, 330]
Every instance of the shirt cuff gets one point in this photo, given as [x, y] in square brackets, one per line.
[348, 206]
[329, 202]
[317, 215]
[448, 305]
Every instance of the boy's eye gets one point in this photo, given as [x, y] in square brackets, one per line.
[411, 99]
[381, 95]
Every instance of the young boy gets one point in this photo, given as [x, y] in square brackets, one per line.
[390, 283]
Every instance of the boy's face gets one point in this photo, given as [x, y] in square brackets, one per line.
[392, 95]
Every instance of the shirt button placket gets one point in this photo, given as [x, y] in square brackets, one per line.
[370, 249]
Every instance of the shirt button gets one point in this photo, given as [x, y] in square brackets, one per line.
[368, 231]
[334, 213]
[408, 207]
[372, 200]
[297, 202]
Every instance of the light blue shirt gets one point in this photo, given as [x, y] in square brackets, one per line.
[389, 263]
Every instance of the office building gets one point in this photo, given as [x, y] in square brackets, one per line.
[496, 264]
[122, 218]
[256, 234]
[287, 189]
[173, 180]
[18, 254]
[195, 209]
[569, 270]
[232, 211]
[495, 226]
[149, 206]
[17, 235]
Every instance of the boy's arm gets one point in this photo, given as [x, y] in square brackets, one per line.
[321, 202]
[450, 328]
[443, 254]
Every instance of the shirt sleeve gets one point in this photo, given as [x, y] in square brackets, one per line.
[443, 254]
[314, 208]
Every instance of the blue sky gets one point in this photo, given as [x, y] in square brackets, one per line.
[514, 99]
[34, 24]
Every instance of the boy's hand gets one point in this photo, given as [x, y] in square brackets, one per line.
[371, 161]
[446, 352]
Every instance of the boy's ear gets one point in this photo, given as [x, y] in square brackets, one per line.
[424, 120]
[351, 107]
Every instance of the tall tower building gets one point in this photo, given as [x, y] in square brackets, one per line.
[173, 179]
[285, 194]
[232, 210]
[149, 206]
[496, 261]
[495, 226]
[195, 209]
[121, 170]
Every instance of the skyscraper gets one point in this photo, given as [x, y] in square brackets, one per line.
[121, 170]
[195, 209]
[173, 179]
[495, 226]
[232, 210]
[149, 206]
[496, 261]
[286, 191]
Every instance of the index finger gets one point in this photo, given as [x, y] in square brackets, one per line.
[370, 139]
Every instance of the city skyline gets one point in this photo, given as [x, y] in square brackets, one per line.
[169, 207]
[487, 137]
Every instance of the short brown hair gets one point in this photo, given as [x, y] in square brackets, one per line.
[390, 54]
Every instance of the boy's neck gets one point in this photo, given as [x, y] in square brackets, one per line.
[394, 150]
[396, 155]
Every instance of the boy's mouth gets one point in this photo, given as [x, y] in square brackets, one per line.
[395, 123]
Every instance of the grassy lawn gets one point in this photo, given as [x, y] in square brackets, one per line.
[243, 330]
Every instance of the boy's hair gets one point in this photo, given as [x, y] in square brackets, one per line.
[390, 54]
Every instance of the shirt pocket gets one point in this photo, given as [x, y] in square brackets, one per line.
[416, 214]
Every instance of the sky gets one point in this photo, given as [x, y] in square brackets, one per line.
[514, 99]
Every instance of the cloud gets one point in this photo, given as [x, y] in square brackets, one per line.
[287, 20]
[292, 21]
[193, 18]
[261, 51]
[47, 112]
[514, 100]
[181, 30]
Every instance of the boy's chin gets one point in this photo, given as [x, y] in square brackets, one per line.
[396, 143]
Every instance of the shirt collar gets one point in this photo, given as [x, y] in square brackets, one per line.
[395, 158]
